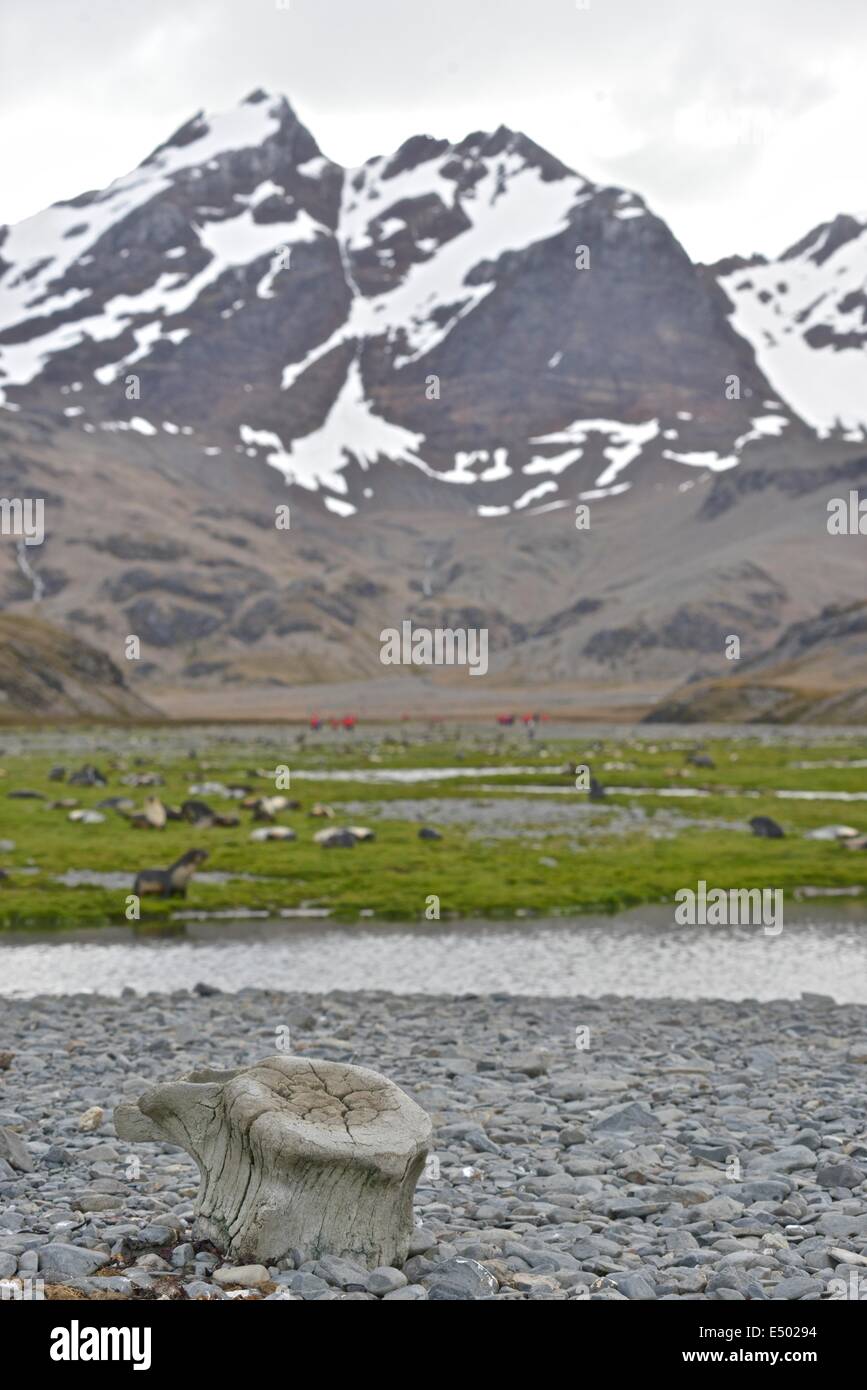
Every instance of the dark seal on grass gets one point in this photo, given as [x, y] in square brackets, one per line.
[767, 828]
[171, 882]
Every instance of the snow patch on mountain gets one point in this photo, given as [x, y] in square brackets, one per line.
[530, 496]
[558, 463]
[38, 252]
[242, 127]
[350, 430]
[627, 443]
[267, 189]
[762, 427]
[509, 207]
[138, 424]
[231, 242]
[806, 318]
[314, 168]
[704, 458]
[42, 248]
[594, 493]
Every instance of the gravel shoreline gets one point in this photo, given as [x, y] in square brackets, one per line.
[699, 1150]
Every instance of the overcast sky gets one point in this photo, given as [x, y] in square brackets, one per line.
[741, 122]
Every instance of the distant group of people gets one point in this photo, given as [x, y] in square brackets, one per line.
[349, 721]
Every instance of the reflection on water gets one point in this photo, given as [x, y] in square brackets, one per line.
[641, 953]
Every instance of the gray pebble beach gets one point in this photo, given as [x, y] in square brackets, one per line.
[668, 1149]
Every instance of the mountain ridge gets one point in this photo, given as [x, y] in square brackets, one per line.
[399, 274]
[417, 347]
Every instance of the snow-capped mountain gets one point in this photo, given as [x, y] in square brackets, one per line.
[476, 313]
[805, 315]
[463, 342]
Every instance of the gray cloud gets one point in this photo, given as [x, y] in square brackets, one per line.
[737, 122]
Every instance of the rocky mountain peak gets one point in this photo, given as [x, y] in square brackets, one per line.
[823, 241]
[469, 343]
[475, 311]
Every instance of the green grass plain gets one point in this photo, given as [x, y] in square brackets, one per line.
[393, 877]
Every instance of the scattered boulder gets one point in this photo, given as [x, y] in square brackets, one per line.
[14, 1151]
[241, 1276]
[627, 1117]
[459, 1279]
[632, 1285]
[789, 1159]
[344, 1274]
[91, 1119]
[386, 1280]
[58, 1262]
[842, 1174]
[528, 1063]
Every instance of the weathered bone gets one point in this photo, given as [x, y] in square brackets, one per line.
[293, 1154]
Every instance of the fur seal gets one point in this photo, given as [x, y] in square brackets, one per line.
[767, 828]
[700, 760]
[335, 839]
[171, 882]
[87, 776]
